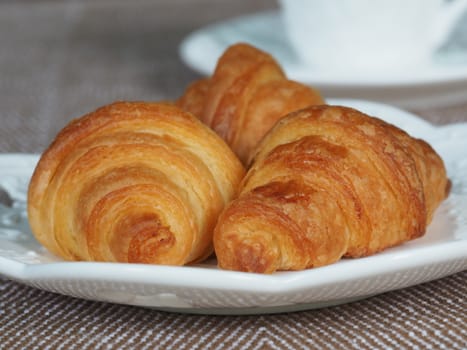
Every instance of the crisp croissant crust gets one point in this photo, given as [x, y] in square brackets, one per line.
[132, 182]
[328, 182]
[246, 95]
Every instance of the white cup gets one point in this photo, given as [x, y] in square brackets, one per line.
[368, 34]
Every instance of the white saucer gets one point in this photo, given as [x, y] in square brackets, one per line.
[441, 82]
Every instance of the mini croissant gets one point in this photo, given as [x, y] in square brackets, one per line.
[247, 94]
[328, 182]
[132, 182]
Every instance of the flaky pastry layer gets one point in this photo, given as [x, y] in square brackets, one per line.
[132, 182]
[328, 182]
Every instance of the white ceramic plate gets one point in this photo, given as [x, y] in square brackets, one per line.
[206, 289]
[444, 81]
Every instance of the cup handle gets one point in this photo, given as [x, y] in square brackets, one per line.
[449, 15]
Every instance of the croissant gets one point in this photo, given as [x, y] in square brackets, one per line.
[328, 182]
[247, 94]
[132, 182]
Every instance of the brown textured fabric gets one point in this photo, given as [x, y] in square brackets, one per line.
[61, 59]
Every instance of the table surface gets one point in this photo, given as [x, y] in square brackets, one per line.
[59, 60]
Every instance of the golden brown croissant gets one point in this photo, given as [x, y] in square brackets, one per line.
[132, 182]
[329, 182]
[245, 97]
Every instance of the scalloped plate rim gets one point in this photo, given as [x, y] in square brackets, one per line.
[295, 280]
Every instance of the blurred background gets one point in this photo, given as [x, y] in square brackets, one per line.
[62, 59]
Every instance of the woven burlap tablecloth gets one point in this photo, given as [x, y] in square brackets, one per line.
[61, 59]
